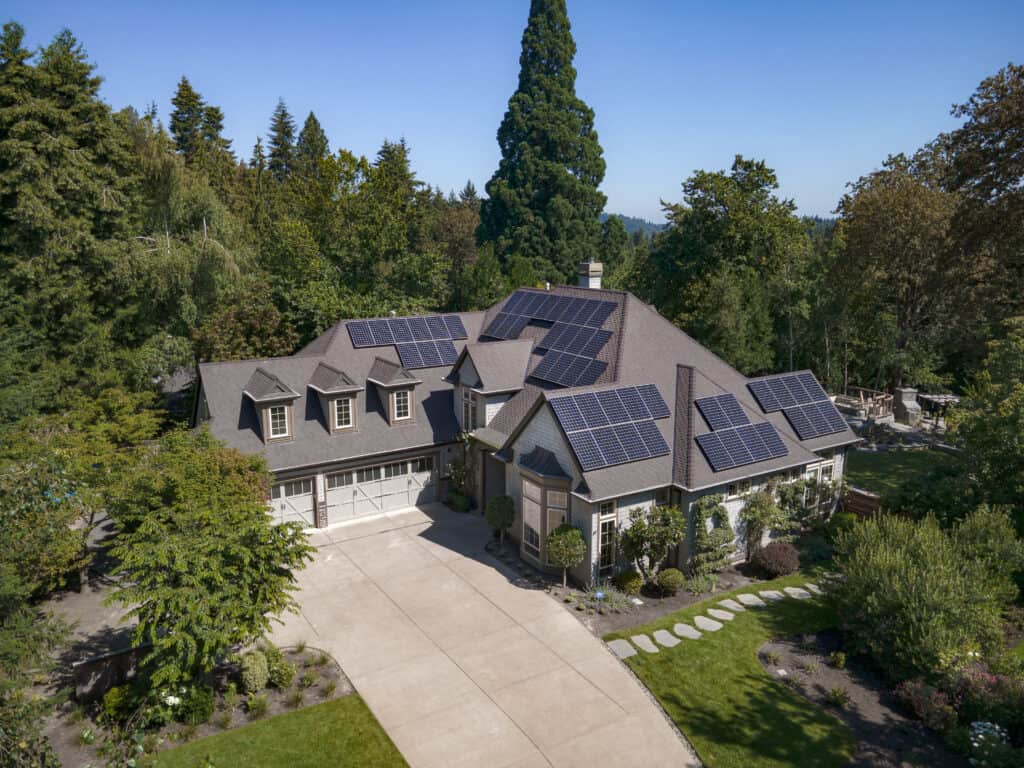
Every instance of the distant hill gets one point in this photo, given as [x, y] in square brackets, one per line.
[633, 224]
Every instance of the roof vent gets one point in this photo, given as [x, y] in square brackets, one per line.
[590, 274]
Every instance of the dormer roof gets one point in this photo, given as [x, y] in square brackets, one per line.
[265, 387]
[385, 373]
[328, 380]
[500, 365]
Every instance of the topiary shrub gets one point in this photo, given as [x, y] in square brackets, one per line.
[500, 513]
[779, 558]
[197, 706]
[670, 581]
[566, 548]
[713, 536]
[255, 672]
[628, 581]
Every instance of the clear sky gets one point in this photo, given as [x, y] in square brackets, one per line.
[821, 90]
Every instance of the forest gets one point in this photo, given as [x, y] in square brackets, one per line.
[131, 249]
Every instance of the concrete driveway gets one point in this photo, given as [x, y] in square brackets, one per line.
[463, 667]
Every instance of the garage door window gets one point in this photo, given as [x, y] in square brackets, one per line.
[339, 480]
[423, 464]
[367, 474]
[396, 470]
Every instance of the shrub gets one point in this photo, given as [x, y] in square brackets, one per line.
[628, 581]
[197, 705]
[300, 647]
[808, 667]
[929, 705]
[779, 558]
[838, 697]
[701, 583]
[670, 581]
[650, 536]
[255, 673]
[761, 515]
[500, 513]
[308, 679]
[838, 659]
[908, 598]
[989, 746]
[813, 548]
[295, 698]
[231, 696]
[119, 703]
[839, 523]
[457, 501]
[257, 705]
[323, 659]
[328, 690]
[566, 548]
[282, 673]
[994, 698]
[713, 536]
[224, 719]
[773, 658]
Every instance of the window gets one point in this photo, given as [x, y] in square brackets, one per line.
[339, 480]
[557, 500]
[423, 464]
[402, 404]
[367, 474]
[661, 497]
[396, 470]
[468, 409]
[293, 488]
[343, 413]
[531, 540]
[531, 518]
[275, 492]
[606, 536]
[278, 421]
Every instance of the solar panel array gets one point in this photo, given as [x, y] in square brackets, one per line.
[612, 427]
[778, 392]
[524, 306]
[815, 419]
[422, 342]
[427, 354]
[576, 339]
[738, 446]
[722, 411]
[403, 330]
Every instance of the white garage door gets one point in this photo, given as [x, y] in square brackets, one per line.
[380, 488]
[292, 502]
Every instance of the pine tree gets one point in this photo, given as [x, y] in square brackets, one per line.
[212, 129]
[311, 148]
[281, 141]
[187, 119]
[544, 201]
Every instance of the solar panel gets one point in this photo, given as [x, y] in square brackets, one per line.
[815, 419]
[776, 393]
[568, 414]
[612, 405]
[360, 334]
[436, 327]
[409, 354]
[590, 407]
[634, 404]
[400, 330]
[456, 330]
[591, 373]
[652, 438]
[448, 352]
[381, 331]
[585, 448]
[742, 445]
[722, 411]
[631, 442]
[653, 400]
[431, 357]
[609, 446]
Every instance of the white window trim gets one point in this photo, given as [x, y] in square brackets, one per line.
[408, 405]
[337, 413]
[270, 422]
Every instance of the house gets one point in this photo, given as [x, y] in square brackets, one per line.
[582, 404]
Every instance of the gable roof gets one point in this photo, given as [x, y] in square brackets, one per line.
[389, 374]
[265, 387]
[500, 365]
[543, 462]
[328, 380]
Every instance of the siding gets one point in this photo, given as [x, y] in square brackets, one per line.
[493, 405]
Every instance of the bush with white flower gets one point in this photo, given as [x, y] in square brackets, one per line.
[990, 746]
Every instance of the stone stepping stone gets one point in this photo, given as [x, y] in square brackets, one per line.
[771, 594]
[708, 625]
[732, 605]
[751, 601]
[719, 614]
[643, 642]
[666, 638]
[798, 594]
[622, 648]
[685, 630]
[814, 588]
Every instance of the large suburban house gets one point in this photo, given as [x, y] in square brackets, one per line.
[580, 403]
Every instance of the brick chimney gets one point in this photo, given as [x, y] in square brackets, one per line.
[590, 274]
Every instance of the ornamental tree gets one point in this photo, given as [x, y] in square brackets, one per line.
[500, 513]
[713, 536]
[650, 536]
[201, 566]
[760, 515]
[566, 548]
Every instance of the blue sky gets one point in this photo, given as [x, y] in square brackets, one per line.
[821, 90]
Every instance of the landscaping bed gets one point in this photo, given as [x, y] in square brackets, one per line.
[84, 736]
[720, 697]
[886, 738]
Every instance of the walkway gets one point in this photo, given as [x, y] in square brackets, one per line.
[462, 666]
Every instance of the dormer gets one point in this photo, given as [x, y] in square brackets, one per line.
[485, 376]
[338, 395]
[273, 401]
[396, 388]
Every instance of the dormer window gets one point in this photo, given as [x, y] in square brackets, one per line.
[279, 426]
[401, 405]
[343, 413]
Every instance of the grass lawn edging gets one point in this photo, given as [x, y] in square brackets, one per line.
[342, 733]
[717, 693]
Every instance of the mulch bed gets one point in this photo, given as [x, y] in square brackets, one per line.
[326, 682]
[886, 737]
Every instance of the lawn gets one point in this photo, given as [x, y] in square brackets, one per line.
[887, 471]
[732, 711]
[341, 733]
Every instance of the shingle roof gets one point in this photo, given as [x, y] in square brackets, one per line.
[265, 387]
[501, 365]
[329, 380]
[543, 462]
[389, 373]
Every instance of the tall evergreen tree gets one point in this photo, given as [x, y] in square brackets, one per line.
[311, 147]
[187, 119]
[212, 130]
[281, 142]
[544, 201]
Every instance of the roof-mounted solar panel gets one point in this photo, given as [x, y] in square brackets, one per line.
[740, 446]
[722, 411]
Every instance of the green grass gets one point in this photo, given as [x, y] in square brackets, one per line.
[887, 471]
[1018, 651]
[341, 733]
[733, 712]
